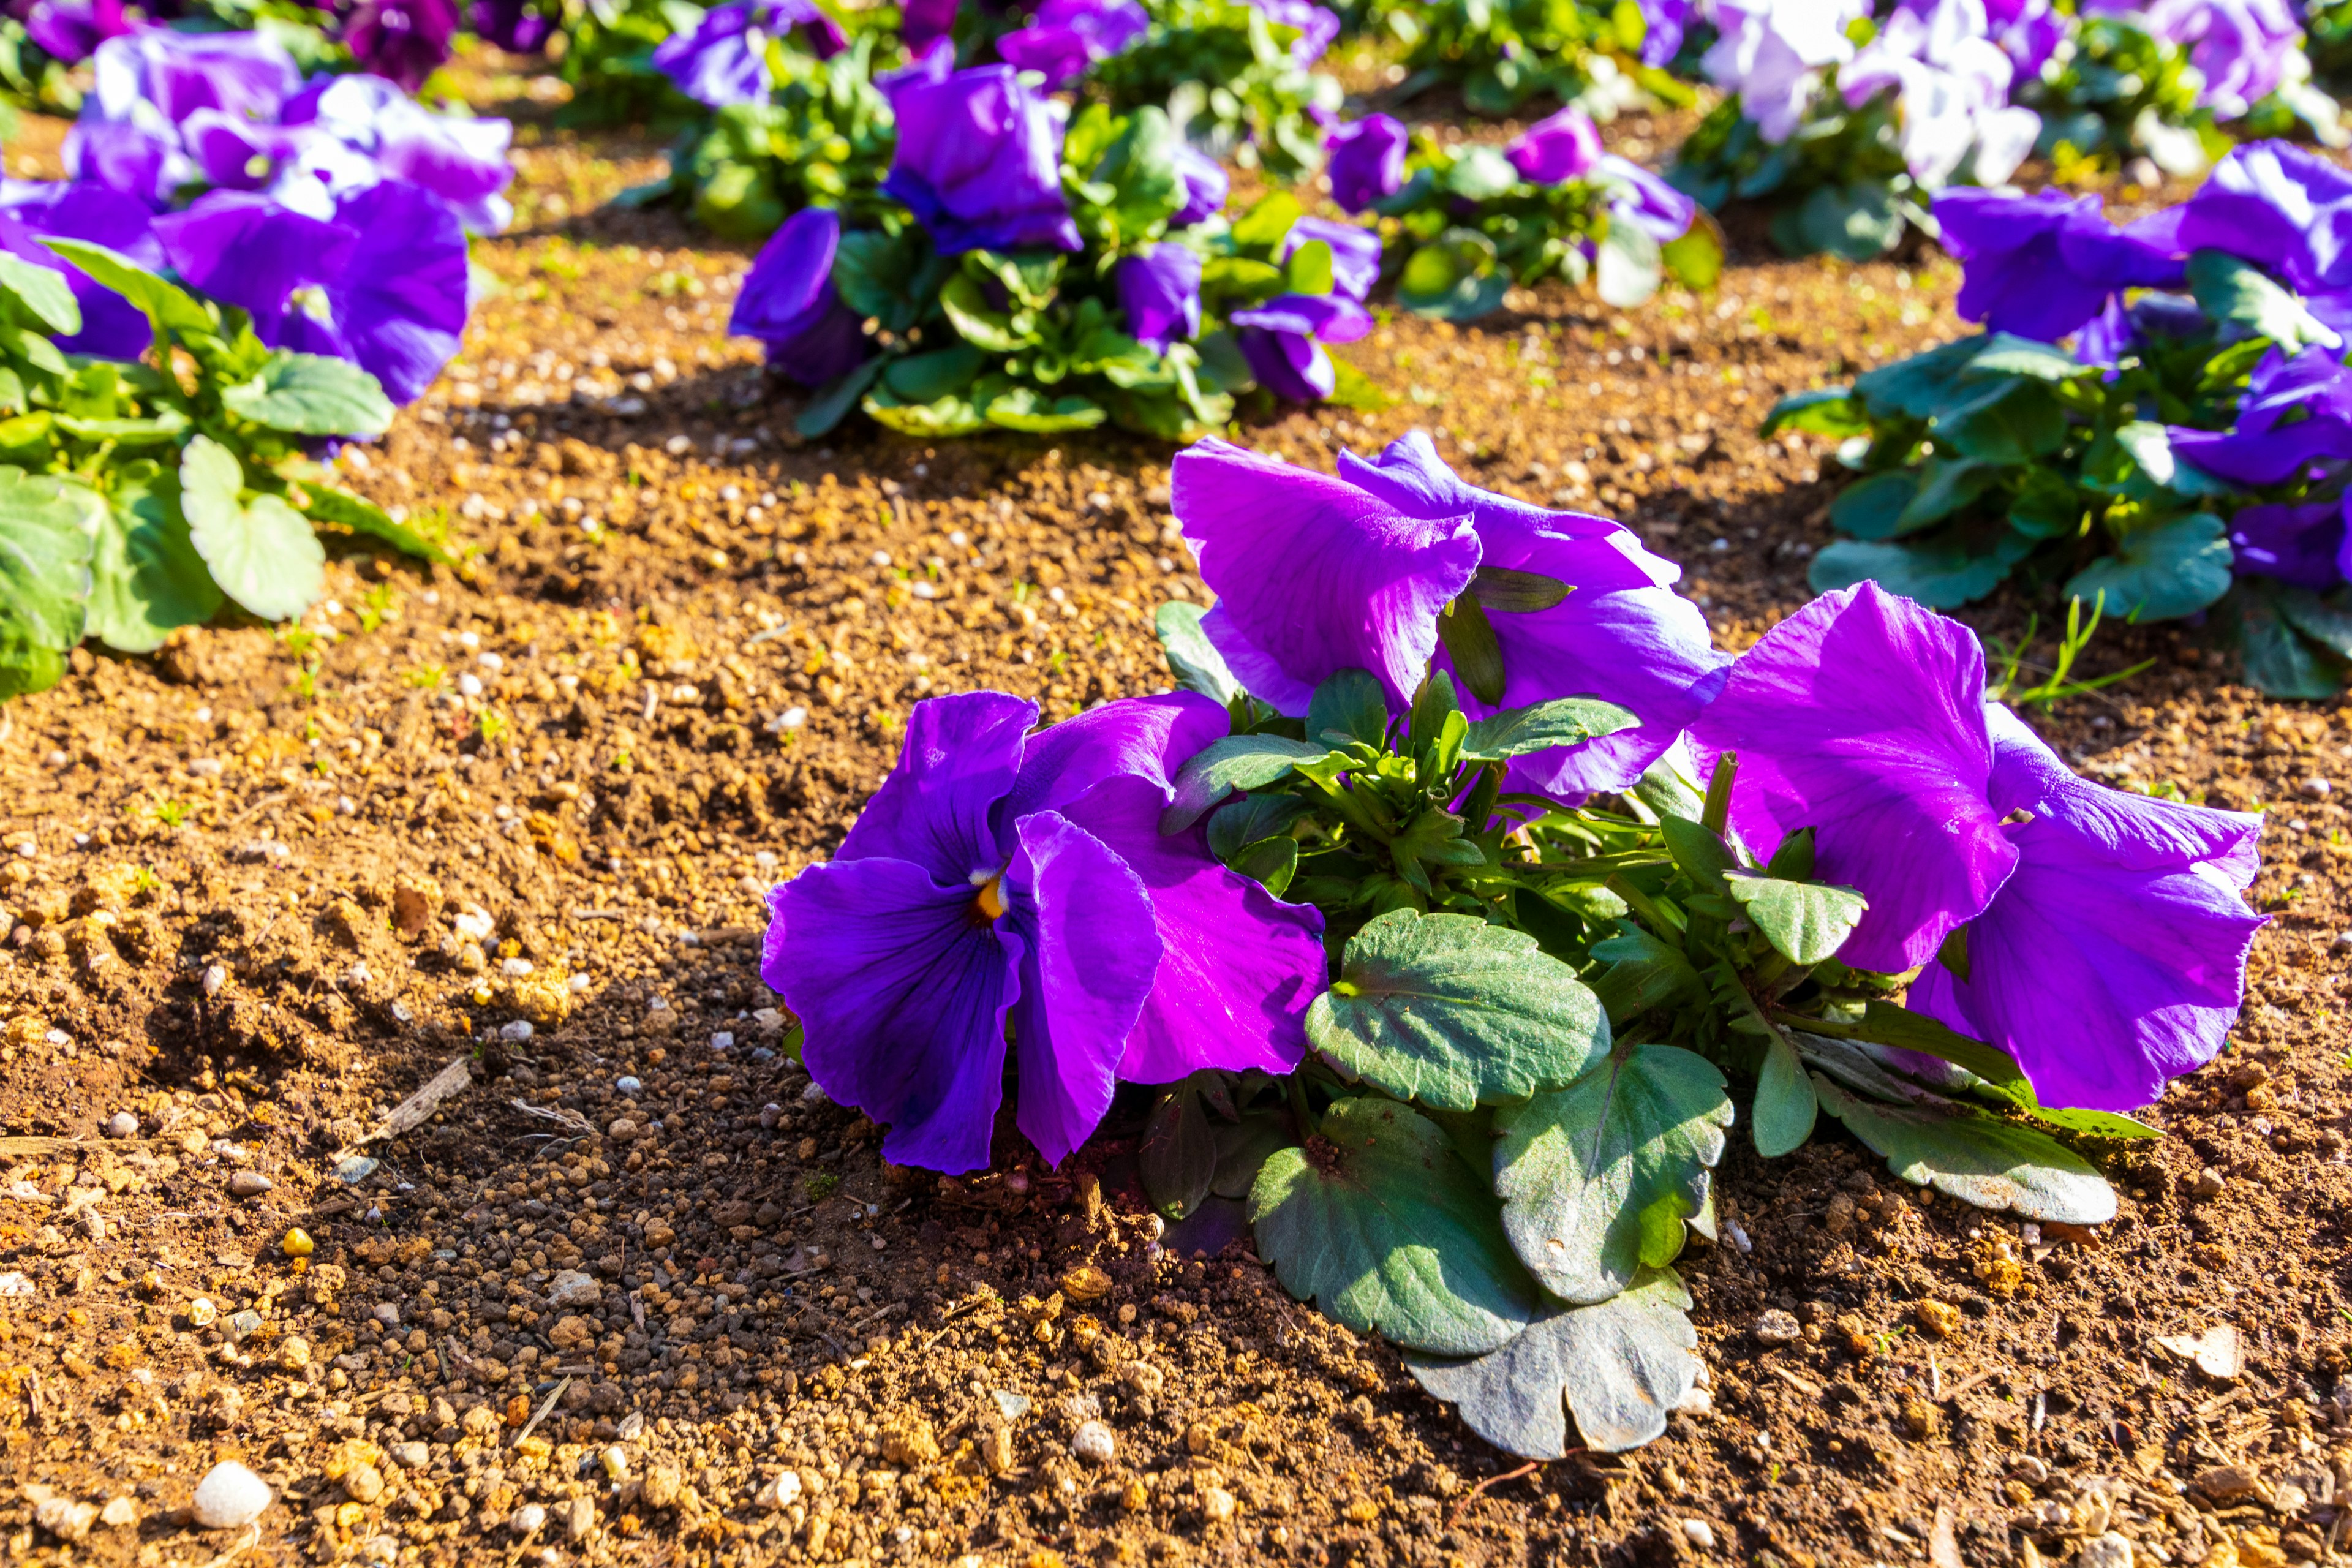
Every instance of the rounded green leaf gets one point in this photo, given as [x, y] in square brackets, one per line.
[146, 577]
[1598, 1178]
[1236, 762]
[263, 553]
[46, 541]
[1804, 922]
[1452, 1012]
[1786, 1106]
[1979, 1159]
[311, 395]
[1380, 1222]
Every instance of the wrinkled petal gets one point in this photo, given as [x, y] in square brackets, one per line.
[1146, 738]
[400, 302]
[111, 326]
[1367, 161]
[960, 758]
[1557, 149]
[1238, 967]
[2264, 457]
[902, 990]
[248, 251]
[1645, 200]
[1085, 923]
[788, 302]
[979, 160]
[1160, 291]
[1861, 716]
[1287, 363]
[1328, 317]
[1314, 575]
[404, 41]
[1205, 186]
[2281, 208]
[2114, 958]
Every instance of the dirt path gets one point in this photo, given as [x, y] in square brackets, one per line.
[635, 1292]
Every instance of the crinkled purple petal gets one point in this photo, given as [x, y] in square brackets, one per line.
[1557, 149]
[73, 29]
[2043, 266]
[1160, 291]
[1287, 363]
[111, 326]
[1331, 318]
[1091, 953]
[788, 302]
[1205, 186]
[400, 302]
[2297, 544]
[1861, 717]
[978, 160]
[133, 159]
[960, 757]
[2265, 458]
[901, 987]
[1663, 24]
[237, 155]
[1238, 967]
[2114, 958]
[921, 22]
[722, 61]
[1147, 738]
[248, 251]
[1367, 161]
[2284, 209]
[1314, 575]
[1644, 200]
[1064, 36]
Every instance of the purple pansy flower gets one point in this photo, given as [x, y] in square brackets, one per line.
[383, 285]
[1643, 199]
[1005, 884]
[1557, 149]
[980, 161]
[402, 41]
[1953, 83]
[1664, 23]
[2243, 48]
[517, 26]
[789, 303]
[73, 29]
[1066, 37]
[1355, 254]
[1861, 717]
[1316, 27]
[1205, 186]
[921, 22]
[2299, 544]
[2284, 209]
[725, 59]
[1367, 162]
[1317, 573]
[31, 211]
[2043, 266]
[2296, 410]
[462, 159]
[1159, 290]
[2113, 956]
[2028, 31]
[1771, 53]
[150, 83]
[1283, 341]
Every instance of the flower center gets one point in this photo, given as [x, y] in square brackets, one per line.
[990, 899]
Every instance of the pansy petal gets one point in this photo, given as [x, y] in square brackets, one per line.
[960, 758]
[1147, 738]
[902, 990]
[1861, 717]
[1087, 923]
[1316, 574]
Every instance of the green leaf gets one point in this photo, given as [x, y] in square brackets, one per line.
[1644, 971]
[1976, 1158]
[47, 537]
[1618, 1367]
[1859, 222]
[263, 553]
[1628, 266]
[1830, 411]
[1946, 485]
[2015, 423]
[978, 325]
[2149, 444]
[1308, 270]
[831, 403]
[1178, 1155]
[167, 426]
[1563, 721]
[1389, 1233]
[328, 504]
[1351, 706]
[1236, 762]
[1141, 165]
[1470, 642]
[1252, 820]
[1451, 1013]
[1479, 172]
[1886, 1023]
[146, 577]
[166, 304]
[2276, 659]
[1699, 850]
[1923, 385]
[1804, 922]
[930, 376]
[1268, 222]
[44, 292]
[1192, 659]
[2159, 573]
[946, 417]
[1786, 1105]
[1598, 1178]
[1269, 862]
[1873, 509]
[2006, 356]
[1456, 276]
[1510, 591]
[1694, 259]
[1024, 408]
[1943, 575]
[311, 395]
[893, 278]
[1244, 1147]
[2245, 303]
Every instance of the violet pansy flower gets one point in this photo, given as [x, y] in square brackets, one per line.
[1159, 290]
[1953, 81]
[1664, 24]
[789, 303]
[1316, 27]
[2296, 411]
[149, 83]
[517, 26]
[1007, 884]
[2242, 50]
[1557, 149]
[1367, 161]
[2300, 543]
[724, 60]
[1283, 341]
[2113, 956]
[921, 22]
[980, 161]
[2285, 209]
[71, 30]
[2028, 31]
[1316, 573]
[462, 159]
[2042, 266]
[1064, 36]
[1640, 197]
[31, 211]
[1355, 254]
[404, 41]
[1205, 186]
[1771, 53]
[1861, 717]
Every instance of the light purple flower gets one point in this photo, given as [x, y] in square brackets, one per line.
[1861, 717]
[383, 285]
[2241, 48]
[1205, 186]
[2286, 209]
[2299, 543]
[1367, 162]
[979, 160]
[1159, 290]
[1355, 255]
[1283, 341]
[2296, 411]
[789, 303]
[2042, 266]
[1772, 53]
[1953, 84]
[1064, 36]
[2028, 31]
[147, 84]
[1557, 149]
[31, 211]
[71, 30]
[1664, 24]
[1317, 573]
[1643, 199]
[1316, 27]
[462, 159]
[724, 60]
[1002, 884]
[402, 41]
[2114, 957]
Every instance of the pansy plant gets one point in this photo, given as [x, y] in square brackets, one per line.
[1504, 55]
[1501, 880]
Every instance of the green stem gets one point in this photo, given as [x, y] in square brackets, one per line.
[1717, 813]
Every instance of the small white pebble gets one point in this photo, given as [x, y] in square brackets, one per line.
[469, 685]
[230, 1497]
[1095, 1444]
[517, 1031]
[1699, 1533]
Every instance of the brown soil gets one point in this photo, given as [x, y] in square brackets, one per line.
[260, 890]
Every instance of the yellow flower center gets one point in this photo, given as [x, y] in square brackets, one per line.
[990, 899]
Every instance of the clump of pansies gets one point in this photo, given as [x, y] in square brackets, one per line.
[1024, 273]
[1426, 926]
[2154, 417]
